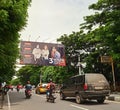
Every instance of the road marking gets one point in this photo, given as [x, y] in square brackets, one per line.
[8, 98]
[79, 107]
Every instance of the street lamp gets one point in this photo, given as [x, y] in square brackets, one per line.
[79, 64]
[40, 78]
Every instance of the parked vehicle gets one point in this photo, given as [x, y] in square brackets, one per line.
[41, 88]
[86, 87]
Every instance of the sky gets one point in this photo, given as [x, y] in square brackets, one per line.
[50, 19]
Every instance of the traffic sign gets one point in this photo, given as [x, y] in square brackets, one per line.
[106, 59]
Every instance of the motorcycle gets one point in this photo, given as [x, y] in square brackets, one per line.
[18, 89]
[50, 96]
[28, 94]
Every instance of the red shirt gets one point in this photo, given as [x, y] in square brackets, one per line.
[49, 85]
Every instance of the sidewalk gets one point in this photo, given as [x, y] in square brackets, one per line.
[114, 96]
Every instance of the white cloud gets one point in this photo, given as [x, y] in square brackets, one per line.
[53, 18]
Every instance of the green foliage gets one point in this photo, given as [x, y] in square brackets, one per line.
[30, 73]
[33, 73]
[13, 17]
[15, 81]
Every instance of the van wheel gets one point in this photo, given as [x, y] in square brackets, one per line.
[62, 97]
[101, 100]
[79, 99]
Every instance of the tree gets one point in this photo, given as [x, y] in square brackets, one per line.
[33, 74]
[13, 18]
[99, 35]
[29, 73]
[57, 73]
[105, 26]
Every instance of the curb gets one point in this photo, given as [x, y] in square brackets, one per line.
[114, 98]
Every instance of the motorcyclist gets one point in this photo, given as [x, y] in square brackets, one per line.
[18, 87]
[28, 87]
[50, 87]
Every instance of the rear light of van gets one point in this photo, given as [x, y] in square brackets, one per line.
[85, 87]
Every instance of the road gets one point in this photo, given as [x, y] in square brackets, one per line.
[16, 101]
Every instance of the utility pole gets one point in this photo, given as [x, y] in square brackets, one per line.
[113, 75]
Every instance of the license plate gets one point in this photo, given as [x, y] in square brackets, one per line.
[98, 87]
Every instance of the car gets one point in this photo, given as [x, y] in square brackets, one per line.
[90, 86]
[41, 88]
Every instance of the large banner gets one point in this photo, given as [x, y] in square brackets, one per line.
[39, 53]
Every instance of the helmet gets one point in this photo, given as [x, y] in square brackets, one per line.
[28, 82]
[50, 80]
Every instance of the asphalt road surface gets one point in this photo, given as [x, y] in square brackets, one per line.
[16, 101]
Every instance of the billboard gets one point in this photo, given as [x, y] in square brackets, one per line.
[40, 53]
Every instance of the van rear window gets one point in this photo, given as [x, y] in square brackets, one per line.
[95, 78]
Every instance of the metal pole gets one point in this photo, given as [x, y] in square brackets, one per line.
[113, 75]
[79, 65]
[37, 38]
[40, 78]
